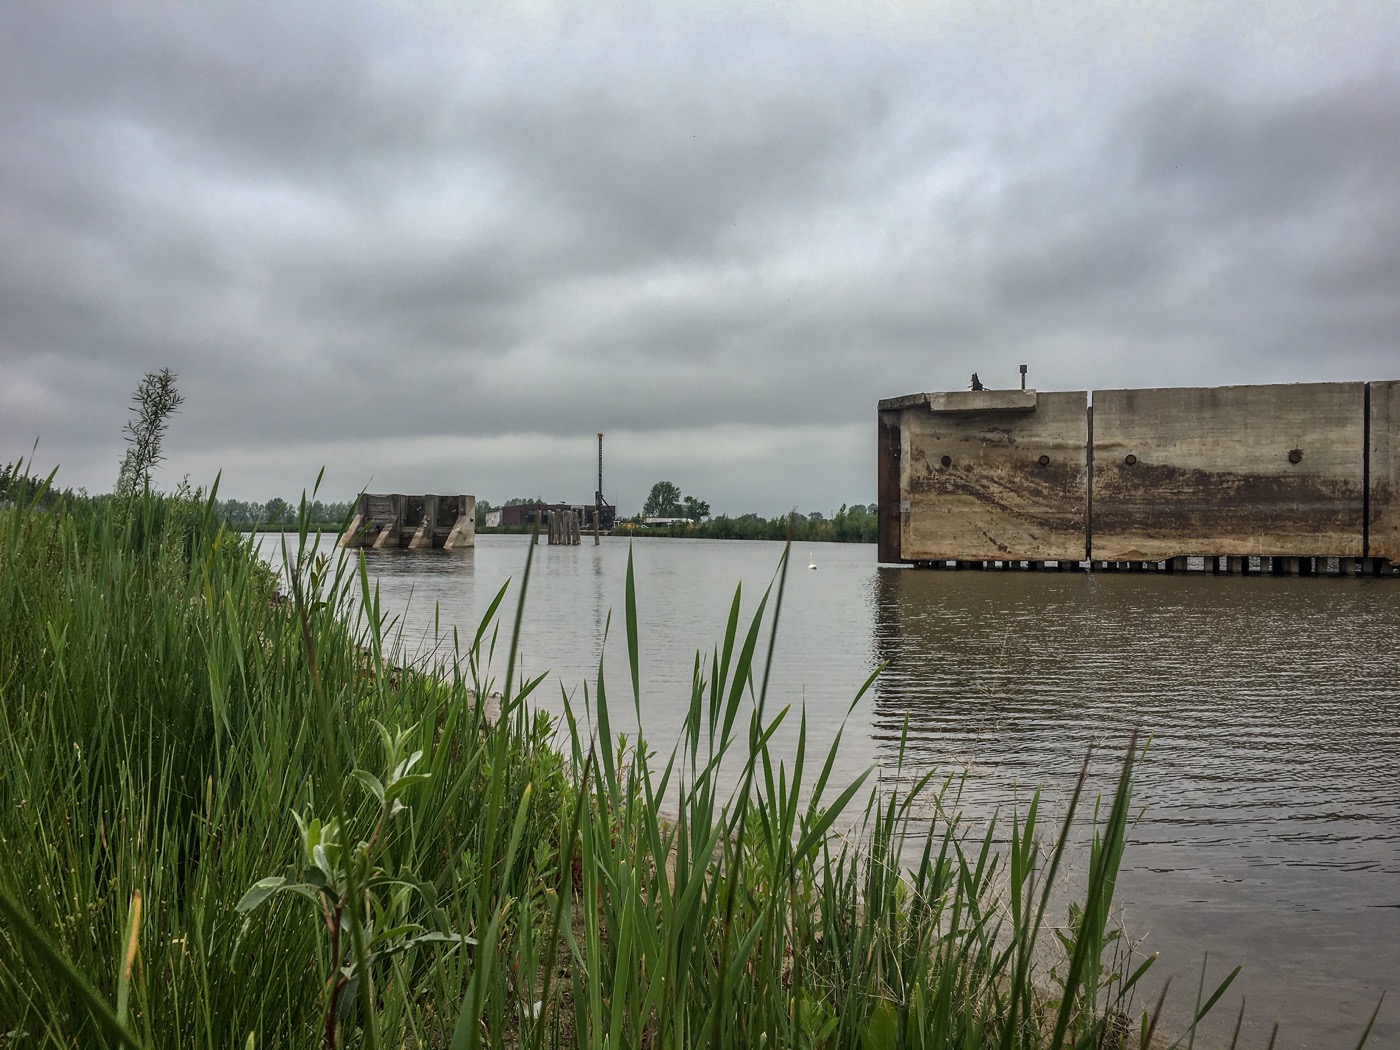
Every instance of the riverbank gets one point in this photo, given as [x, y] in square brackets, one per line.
[224, 818]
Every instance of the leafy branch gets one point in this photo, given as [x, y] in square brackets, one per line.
[333, 875]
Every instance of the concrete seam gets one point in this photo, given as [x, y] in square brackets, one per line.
[1089, 483]
[1366, 472]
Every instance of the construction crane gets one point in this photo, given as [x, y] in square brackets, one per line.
[601, 508]
[598, 496]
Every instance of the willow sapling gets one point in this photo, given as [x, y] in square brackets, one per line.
[333, 877]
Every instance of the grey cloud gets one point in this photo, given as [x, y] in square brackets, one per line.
[426, 229]
[1242, 160]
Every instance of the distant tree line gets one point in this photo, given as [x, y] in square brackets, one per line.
[666, 501]
[853, 523]
[17, 485]
[278, 511]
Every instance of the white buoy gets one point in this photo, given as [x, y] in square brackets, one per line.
[811, 562]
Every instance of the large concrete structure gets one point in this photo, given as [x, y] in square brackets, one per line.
[1142, 477]
[986, 475]
[415, 522]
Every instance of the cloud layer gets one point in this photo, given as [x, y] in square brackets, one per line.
[441, 249]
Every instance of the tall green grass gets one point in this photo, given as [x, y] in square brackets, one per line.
[227, 819]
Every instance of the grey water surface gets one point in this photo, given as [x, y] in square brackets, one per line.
[1270, 792]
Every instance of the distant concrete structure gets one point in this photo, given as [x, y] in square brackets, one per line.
[415, 522]
[1302, 476]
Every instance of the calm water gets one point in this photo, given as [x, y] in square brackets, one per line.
[1271, 830]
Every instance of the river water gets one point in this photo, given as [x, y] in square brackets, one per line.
[1270, 793]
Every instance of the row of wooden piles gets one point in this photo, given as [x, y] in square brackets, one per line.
[1221, 565]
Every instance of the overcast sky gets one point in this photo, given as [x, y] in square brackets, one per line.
[437, 250]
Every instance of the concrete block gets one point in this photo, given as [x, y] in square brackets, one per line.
[966, 401]
[1271, 471]
[988, 479]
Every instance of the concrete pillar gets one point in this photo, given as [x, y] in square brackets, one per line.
[355, 535]
[423, 530]
[391, 524]
[463, 532]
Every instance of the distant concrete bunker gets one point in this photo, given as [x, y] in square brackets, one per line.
[416, 522]
[1298, 471]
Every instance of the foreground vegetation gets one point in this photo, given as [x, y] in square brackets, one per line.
[226, 819]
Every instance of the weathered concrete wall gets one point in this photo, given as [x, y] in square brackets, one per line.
[1383, 525]
[417, 522]
[889, 490]
[986, 475]
[1244, 470]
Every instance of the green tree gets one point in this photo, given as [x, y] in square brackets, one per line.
[664, 501]
[694, 509]
[155, 401]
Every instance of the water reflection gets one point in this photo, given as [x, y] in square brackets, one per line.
[1272, 829]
